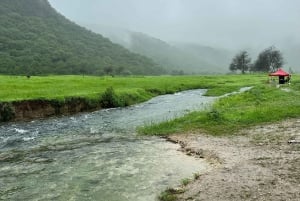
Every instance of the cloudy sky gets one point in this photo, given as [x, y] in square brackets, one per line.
[223, 23]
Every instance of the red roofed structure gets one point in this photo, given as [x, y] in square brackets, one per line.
[281, 75]
[279, 72]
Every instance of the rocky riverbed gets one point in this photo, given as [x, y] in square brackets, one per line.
[259, 163]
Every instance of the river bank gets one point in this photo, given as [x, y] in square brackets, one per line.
[35, 109]
[259, 163]
[96, 155]
[44, 96]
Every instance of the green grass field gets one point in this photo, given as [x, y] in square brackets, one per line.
[14, 88]
[264, 103]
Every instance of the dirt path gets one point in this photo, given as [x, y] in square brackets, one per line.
[261, 163]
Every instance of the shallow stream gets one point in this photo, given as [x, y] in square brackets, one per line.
[96, 156]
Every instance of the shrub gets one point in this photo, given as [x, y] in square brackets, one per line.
[92, 103]
[6, 112]
[215, 115]
[109, 99]
[57, 104]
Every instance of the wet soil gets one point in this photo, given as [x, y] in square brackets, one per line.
[259, 163]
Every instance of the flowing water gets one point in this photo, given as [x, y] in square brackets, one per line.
[96, 156]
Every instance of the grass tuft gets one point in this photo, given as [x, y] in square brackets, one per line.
[185, 181]
[170, 194]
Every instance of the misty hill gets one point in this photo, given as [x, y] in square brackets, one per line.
[214, 56]
[291, 56]
[35, 39]
[175, 57]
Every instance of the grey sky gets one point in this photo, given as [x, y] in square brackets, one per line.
[223, 23]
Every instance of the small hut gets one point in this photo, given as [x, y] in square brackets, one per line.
[283, 76]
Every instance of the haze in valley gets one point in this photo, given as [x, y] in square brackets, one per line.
[233, 25]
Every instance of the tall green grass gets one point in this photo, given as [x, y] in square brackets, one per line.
[263, 103]
[14, 88]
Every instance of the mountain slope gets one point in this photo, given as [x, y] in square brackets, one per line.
[35, 39]
[175, 57]
[172, 58]
[214, 56]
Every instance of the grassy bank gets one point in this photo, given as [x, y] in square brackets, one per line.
[24, 98]
[71, 94]
[263, 103]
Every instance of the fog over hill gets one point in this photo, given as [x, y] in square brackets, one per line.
[176, 57]
[230, 24]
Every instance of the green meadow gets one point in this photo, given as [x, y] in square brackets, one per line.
[264, 103]
[13, 88]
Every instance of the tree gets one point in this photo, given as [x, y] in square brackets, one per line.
[268, 60]
[241, 62]
[120, 70]
[108, 70]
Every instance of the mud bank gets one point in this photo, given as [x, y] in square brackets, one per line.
[260, 163]
[36, 109]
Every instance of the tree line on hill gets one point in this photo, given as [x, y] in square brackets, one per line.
[269, 60]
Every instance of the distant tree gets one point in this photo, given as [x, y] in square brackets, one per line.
[241, 62]
[177, 72]
[108, 70]
[82, 71]
[120, 70]
[126, 72]
[268, 60]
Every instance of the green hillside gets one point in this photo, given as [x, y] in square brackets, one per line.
[35, 39]
[175, 57]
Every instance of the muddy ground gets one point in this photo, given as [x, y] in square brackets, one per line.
[260, 163]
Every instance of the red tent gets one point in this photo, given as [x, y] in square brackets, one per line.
[281, 75]
[279, 72]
